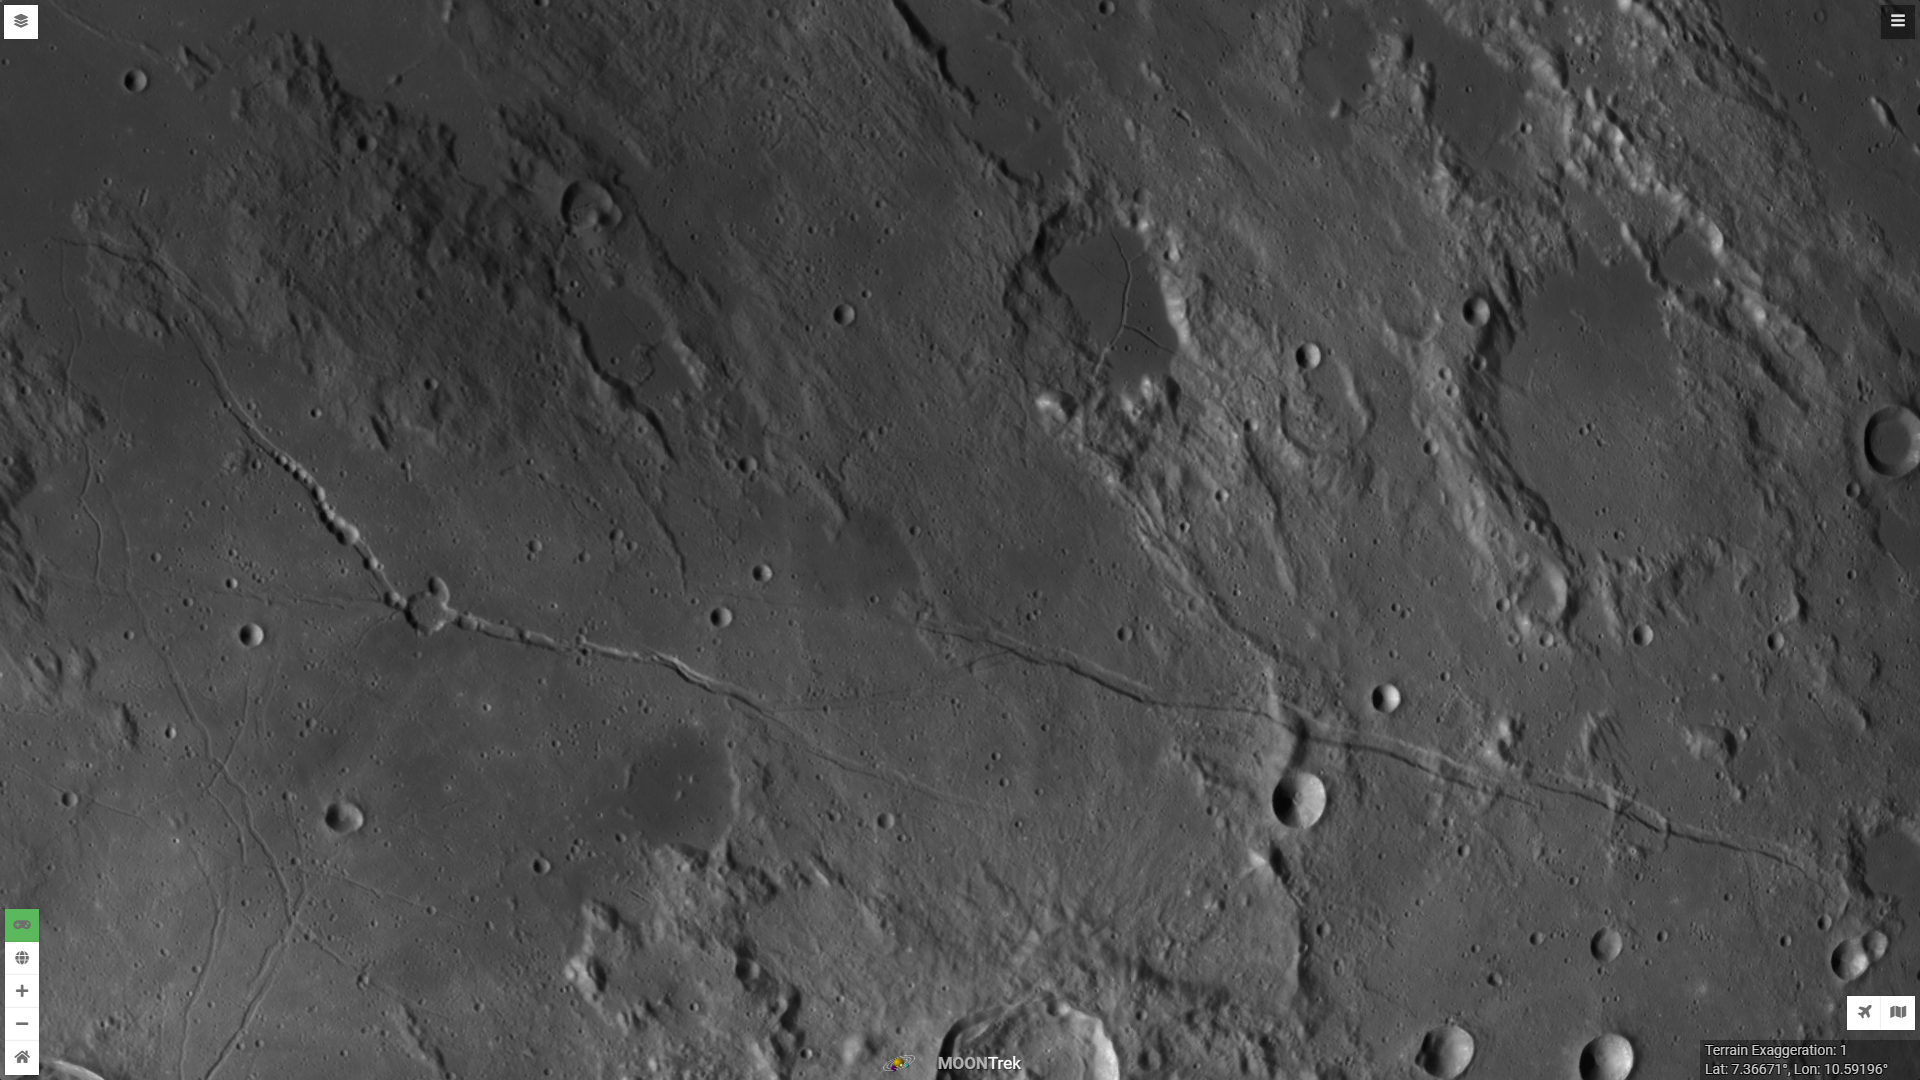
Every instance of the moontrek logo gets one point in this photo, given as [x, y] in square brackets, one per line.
[901, 1063]
[971, 1064]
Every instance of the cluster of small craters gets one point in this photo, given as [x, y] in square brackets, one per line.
[1855, 955]
[429, 610]
[1447, 1051]
[343, 530]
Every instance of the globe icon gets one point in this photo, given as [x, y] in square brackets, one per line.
[21, 957]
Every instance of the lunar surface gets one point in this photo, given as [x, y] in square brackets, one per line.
[564, 538]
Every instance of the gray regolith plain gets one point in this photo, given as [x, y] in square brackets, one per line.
[614, 540]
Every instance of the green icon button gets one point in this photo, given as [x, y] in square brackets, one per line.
[23, 924]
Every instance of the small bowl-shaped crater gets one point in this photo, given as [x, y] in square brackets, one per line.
[1608, 1057]
[589, 208]
[1445, 1052]
[343, 817]
[1299, 799]
[1385, 698]
[1850, 960]
[1893, 441]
